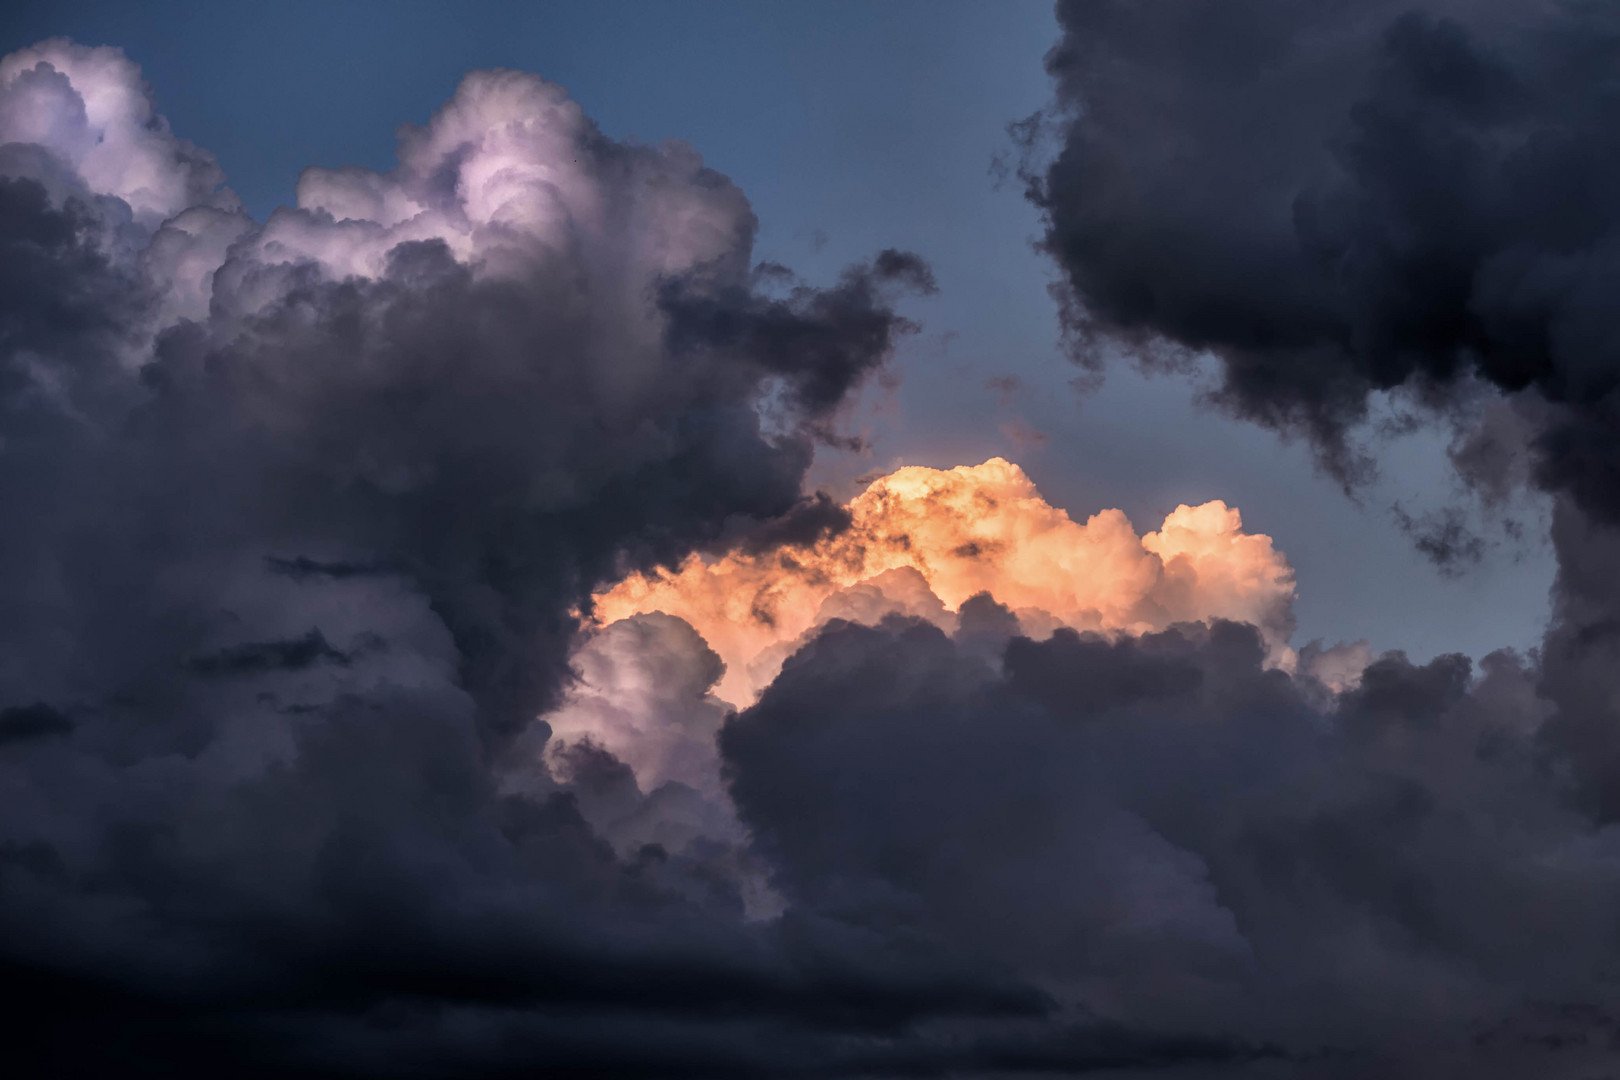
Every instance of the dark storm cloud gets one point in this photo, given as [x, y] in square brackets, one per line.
[297, 517]
[1165, 825]
[296, 767]
[816, 339]
[1341, 199]
[506, 487]
[1338, 199]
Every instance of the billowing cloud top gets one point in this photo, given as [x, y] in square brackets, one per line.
[524, 355]
[511, 167]
[91, 111]
[922, 541]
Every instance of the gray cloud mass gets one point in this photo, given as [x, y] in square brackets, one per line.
[303, 517]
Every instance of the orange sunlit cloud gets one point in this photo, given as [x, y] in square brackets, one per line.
[924, 540]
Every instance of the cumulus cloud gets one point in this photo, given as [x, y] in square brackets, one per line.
[923, 541]
[92, 111]
[643, 693]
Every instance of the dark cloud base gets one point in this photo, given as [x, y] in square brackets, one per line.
[1352, 886]
[1000, 857]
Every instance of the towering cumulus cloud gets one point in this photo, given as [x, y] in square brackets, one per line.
[295, 515]
[418, 655]
[525, 356]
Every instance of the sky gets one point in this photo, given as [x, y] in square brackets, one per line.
[851, 127]
[843, 540]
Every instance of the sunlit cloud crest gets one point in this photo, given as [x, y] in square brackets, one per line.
[922, 541]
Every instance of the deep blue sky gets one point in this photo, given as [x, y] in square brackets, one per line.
[851, 127]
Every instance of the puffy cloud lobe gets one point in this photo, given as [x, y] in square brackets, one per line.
[635, 738]
[90, 108]
[638, 683]
[512, 163]
[923, 541]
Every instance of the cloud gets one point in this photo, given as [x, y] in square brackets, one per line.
[90, 108]
[1338, 200]
[490, 374]
[296, 514]
[642, 691]
[1171, 835]
[674, 651]
[923, 541]
[307, 768]
[1344, 201]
